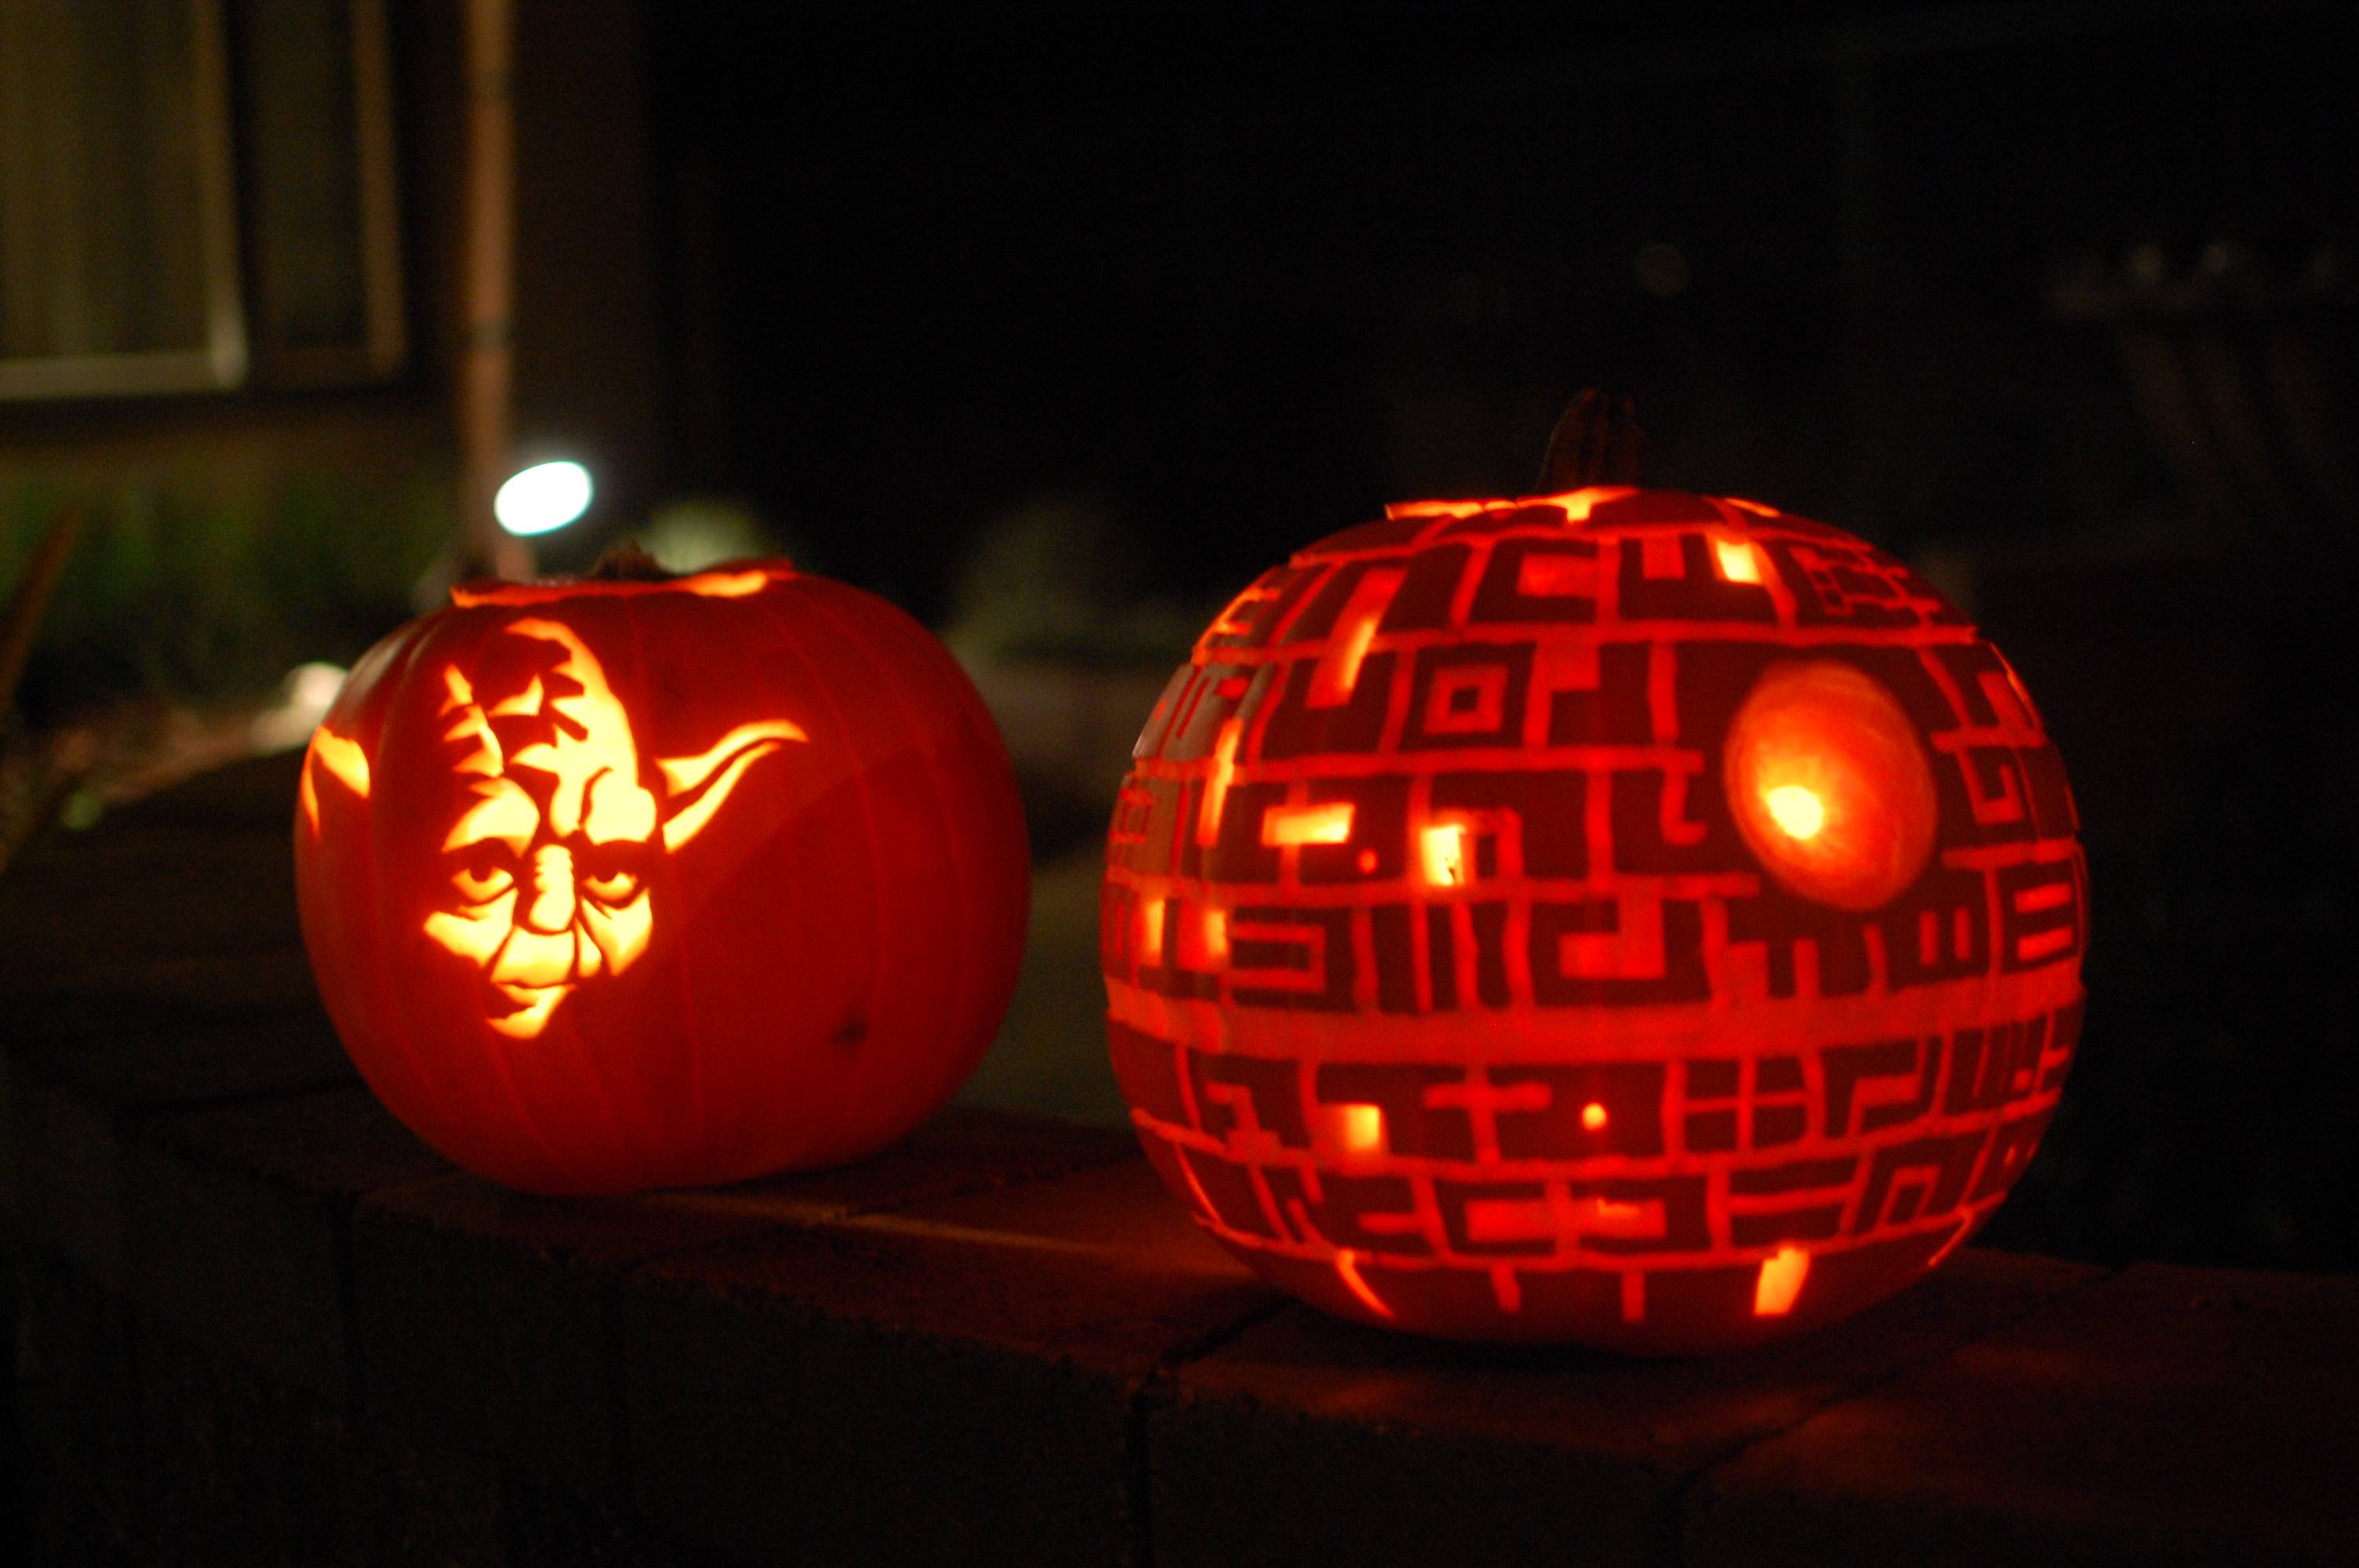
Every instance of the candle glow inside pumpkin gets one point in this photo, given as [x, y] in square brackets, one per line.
[1647, 918]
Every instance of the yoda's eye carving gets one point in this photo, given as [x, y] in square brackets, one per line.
[485, 872]
[1830, 786]
[547, 864]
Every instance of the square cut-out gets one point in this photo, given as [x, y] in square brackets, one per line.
[1467, 696]
[1470, 699]
[1351, 1128]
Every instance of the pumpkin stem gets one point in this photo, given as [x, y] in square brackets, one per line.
[1596, 442]
[626, 562]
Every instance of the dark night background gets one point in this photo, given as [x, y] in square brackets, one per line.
[2054, 301]
[1057, 328]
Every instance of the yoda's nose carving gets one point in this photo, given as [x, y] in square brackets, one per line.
[534, 960]
[550, 901]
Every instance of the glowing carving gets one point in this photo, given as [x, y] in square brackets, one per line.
[548, 861]
[1339, 671]
[727, 585]
[1576, 505]
[1150, 931]
[1830, 784]
[1610, 966]
[1443, 848]
[1360, 1129]
[1781, 1282]
[1216, 936]
[1347, 1269]
[1738, 561]
[1579, 505]
[1796, 810]
[716, 584]
[1326, 824]
[583, 935]
[1216, 785]
[345, 761]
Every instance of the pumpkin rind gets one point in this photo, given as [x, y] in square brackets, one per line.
[769, 829]
[1449, 993]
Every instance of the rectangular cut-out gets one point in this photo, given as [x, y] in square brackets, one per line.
[1338, 671]
[1353, 1128]
[1443, 848]
[1328, 822]
[1781, 1282]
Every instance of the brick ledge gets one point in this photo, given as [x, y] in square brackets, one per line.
[267, 1324]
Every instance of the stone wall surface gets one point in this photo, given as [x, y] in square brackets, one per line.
[259, 1322]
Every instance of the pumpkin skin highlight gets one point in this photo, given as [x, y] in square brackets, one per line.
[1453, 993]
[612, 885]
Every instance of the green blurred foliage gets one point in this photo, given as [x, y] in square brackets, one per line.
[1063, 576]
[694, 532]
[204, 597]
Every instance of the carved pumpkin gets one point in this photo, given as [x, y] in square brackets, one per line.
[643, 882]
[1624, 916]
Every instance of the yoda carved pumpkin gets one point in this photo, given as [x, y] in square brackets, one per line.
[623, 883]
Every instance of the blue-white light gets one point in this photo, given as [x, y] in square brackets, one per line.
[542, 498]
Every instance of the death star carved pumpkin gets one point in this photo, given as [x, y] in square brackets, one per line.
[641, 882]
[1624, 916]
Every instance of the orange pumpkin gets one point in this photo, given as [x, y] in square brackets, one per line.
[1615, 916]
[639, 882]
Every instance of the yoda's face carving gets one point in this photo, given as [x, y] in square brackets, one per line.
[548, 863]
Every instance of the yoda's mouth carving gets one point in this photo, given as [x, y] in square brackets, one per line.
[531, 1010]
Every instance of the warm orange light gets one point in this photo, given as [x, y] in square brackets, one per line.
[1795, 809]
[1360, 1128]
[1329, 823]
[704, 585]
[725, 763]
[1150, 931]
[1216, 936]
[1216, 781]
[1443, 849]
[343, 760]
[1611, 1216]
[1721, 1004]
[1830, 784]
[726, 585]
[1579, 505]
[1347, 1268]
[1338, 672]
[541, 898]
[1439, 508]
[1781, 1282]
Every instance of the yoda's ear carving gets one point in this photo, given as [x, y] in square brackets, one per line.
[342, 759]
[695, 786]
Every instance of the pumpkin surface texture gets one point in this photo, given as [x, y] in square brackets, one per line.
[1625, 917]
[615, 884]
